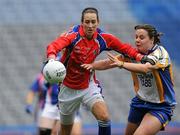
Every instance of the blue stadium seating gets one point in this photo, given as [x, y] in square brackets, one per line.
[165, 16]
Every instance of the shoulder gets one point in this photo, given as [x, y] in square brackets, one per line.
[72, 31]
[160, 56]
[106, 35]
[160, 53]
[39, 76]
[160, 50]
[163, 51]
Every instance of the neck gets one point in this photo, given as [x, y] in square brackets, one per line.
[150, 49]
[89, 37]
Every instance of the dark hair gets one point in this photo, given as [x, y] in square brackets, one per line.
[89, 10]
[152, 32]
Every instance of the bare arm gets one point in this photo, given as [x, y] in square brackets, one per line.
[138, 67]
[135, 67]
[99, 65]
[30, 97]
[102, 64]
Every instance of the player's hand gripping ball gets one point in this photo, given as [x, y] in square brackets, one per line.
[54, 71]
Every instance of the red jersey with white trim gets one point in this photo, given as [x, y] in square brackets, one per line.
[79, 50]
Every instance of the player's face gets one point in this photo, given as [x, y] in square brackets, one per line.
[90, 24]
[143, 41]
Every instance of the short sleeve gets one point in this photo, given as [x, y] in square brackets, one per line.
[160, 57]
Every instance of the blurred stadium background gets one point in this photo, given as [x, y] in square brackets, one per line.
[26, 28]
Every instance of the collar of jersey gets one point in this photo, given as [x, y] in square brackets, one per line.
[151, 50]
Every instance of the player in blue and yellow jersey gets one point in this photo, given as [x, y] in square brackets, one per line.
[152, 107]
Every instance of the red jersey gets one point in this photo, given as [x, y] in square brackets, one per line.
[80, 50]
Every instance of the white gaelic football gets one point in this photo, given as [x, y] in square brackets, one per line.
[54, 71]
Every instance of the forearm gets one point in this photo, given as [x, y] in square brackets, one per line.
[132, 52]
[135, 67]
[30, 98]
[56, 46]
[102, 64]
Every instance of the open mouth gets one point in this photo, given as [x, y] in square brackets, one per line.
[138, 44]
[90, 31]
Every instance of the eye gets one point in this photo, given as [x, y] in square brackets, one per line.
[93, 21]
[141, 37]
[136, 37]
[87, 21]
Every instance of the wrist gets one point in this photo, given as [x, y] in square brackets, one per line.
[51, 56]
[51, 60]
[120, 64]
[93, 66]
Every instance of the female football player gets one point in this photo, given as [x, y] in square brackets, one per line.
[152, 107]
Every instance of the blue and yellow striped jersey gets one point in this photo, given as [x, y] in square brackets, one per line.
[156, 86]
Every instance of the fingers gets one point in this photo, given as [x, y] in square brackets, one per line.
[112, 57]
[87, 66]
[115, 60]
[120, 57]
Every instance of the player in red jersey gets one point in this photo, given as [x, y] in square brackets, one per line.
[83, 44]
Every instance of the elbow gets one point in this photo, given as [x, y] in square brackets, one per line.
[145, 69]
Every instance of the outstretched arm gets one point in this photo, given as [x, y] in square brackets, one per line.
[135, 67]
[99, 65]
[102, 64]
